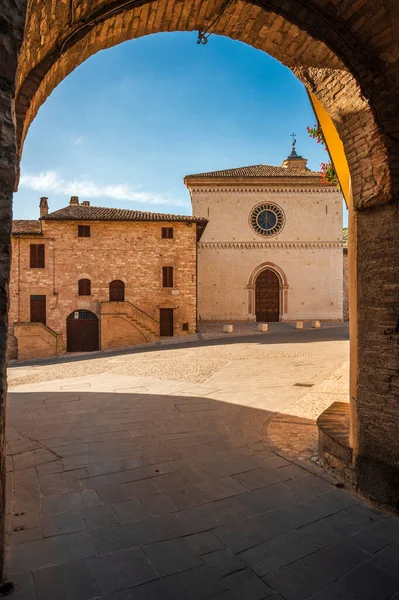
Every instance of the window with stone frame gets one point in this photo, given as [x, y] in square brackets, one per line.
[84, 287]
[167, 277]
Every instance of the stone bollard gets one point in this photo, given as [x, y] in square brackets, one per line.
[227, 328]
[299, 325]
[316, 324]
[263, 327]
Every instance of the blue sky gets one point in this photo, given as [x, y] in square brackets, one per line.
[126, 126]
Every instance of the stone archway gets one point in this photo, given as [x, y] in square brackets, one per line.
[299, 35]
[347, 54]
[82, 331]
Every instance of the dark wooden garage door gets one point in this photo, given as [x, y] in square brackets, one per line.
[82, 331]
[267, 297]
[166, 321]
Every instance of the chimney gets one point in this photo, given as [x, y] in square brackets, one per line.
[85, 203]
[74, 201]
[43, 206]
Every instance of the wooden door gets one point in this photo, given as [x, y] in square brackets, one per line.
[82, 332]
[267, 297]
[117, 291]
[38, 309]
[166, 321]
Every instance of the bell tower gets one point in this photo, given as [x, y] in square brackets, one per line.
[294, 162]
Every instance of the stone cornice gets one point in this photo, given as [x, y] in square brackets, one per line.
[263, 245]
[271, 190]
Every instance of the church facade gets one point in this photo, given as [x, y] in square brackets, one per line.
[273, 249]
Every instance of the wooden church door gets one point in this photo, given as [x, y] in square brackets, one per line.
[267, 297]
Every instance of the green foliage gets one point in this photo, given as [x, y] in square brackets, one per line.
[327, 172]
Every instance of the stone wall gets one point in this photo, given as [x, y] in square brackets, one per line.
[132, 252]
[12, 20]
[313, 275]
[377, 406]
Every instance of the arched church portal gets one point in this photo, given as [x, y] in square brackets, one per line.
[267, 297]
[267, 293]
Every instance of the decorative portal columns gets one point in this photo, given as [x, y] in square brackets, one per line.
[283, 287]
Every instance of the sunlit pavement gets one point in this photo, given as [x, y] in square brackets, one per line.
[145, 475]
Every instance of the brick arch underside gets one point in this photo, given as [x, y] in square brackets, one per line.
[60, 36]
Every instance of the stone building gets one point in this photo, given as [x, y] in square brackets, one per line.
[87, 278]
[272, 250]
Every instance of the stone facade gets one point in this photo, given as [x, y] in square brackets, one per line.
[306, 254]
[130, 251]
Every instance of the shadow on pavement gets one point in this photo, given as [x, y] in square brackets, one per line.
[129, 496]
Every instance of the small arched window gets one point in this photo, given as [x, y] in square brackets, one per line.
[117, 291]
[84, 287]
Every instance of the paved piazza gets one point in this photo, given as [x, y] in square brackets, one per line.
[147, 475]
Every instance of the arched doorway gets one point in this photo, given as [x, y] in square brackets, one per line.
[267, 297]
[82, 331]
[117, 291]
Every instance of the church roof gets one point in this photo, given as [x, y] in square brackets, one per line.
[259, 171]
[26, 227]
[99, 213]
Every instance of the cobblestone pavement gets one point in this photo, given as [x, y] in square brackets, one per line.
[145, 475]
[293, 432]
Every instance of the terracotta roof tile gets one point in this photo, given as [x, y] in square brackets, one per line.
[259, 171]
[26, 227]
[98, 213]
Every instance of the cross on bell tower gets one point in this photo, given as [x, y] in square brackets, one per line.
[294, 160]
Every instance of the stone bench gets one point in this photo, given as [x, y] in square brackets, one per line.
[335, 451]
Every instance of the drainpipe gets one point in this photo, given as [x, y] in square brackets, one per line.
[19, 279]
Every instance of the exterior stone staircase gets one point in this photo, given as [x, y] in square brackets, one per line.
[113, 314]
[36, 340]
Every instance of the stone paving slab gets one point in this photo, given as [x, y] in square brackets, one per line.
[159, 486]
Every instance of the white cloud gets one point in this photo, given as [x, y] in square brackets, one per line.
[78, 140]
[50, 181]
